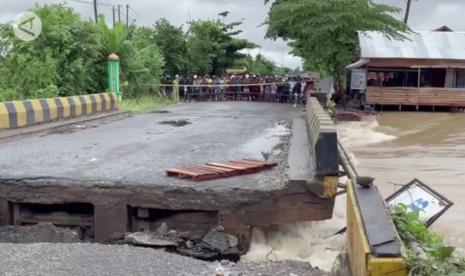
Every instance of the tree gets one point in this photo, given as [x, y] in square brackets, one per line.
[324, 33]
[70, 57]
[140, 59]
[258, 65]
[142, 64]
[213, 47]
[171, 41]
[63, 60]
[114, 39]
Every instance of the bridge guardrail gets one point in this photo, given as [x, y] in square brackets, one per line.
[323, 139]
[374, 247]
[18, 114]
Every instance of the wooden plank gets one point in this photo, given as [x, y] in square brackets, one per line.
[228, 166]
[218, 170]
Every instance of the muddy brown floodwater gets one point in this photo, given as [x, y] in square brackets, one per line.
[397, 147]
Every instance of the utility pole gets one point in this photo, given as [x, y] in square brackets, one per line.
[114, 16]
[95, 11]
[127, 15]
[119, 13]
[407, 11]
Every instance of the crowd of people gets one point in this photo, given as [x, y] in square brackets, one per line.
[243, 87]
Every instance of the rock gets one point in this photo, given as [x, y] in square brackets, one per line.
[189, 244]
[219, 228]
[232, 254]
[216, 240]
[219, 271]
[198, 253]
[163, 229]
[149, 239]
[233, 241]
[224, 262]
[39, 233]
[176, 123]
[365, 181]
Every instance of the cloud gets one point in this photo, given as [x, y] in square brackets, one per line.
[425, 15]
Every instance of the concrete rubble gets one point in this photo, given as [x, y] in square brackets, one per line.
[215, 245]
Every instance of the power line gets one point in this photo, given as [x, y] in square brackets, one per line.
[139, 14]
[90, 3]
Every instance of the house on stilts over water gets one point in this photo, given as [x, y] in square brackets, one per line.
[425, 71]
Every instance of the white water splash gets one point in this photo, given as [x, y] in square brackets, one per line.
[363, 133]
[312, 242]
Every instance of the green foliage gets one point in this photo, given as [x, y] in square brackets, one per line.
[67, 56]
[146, 103]
[258, 65]
[114, 39]
[324, 33]
[212, 47]
[172, 43]
[141, 63]
[427, 254]
[70, 57]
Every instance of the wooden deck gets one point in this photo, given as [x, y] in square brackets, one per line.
[412, 96]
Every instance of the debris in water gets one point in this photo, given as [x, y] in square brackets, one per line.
[176, 123]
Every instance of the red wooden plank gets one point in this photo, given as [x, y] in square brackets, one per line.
[182, 171]
[219, 170]
[226, 165]
[248, 164]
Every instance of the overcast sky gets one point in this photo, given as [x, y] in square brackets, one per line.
[425, 15]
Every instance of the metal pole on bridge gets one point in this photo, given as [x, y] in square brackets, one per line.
[114, 85]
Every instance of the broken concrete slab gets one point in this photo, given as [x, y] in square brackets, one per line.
[39, 233]
[149, 239]
[129, 174]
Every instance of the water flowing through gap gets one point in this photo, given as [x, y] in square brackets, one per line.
[312, 242]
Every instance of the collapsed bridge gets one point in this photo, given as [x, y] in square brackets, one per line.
[108, 178]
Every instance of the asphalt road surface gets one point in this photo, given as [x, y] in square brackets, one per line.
[138, 149]
[121, 260]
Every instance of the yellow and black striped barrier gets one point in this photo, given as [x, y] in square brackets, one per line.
[18, 114]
